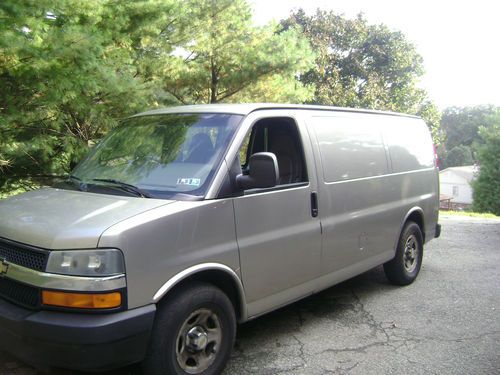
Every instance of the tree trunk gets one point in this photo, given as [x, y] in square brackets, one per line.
[214, 82]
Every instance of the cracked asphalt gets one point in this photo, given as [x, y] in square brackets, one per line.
[447, 322]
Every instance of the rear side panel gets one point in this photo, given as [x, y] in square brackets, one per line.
[363, 200]
[411, 153]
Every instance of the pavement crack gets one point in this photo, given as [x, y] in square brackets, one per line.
[358, 349]
[301, 348]
[349, 369]
[375, 326]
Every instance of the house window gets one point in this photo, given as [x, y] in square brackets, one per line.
[455, 191]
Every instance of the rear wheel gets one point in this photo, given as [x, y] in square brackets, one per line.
[193, 333]
[404, 268]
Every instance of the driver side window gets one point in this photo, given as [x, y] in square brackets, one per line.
[280, 137]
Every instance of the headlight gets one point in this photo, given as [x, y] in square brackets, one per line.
[102, 262]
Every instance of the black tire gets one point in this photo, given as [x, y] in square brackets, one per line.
[174, 313]
[402, 270]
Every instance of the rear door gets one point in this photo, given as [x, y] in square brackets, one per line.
[279, 237]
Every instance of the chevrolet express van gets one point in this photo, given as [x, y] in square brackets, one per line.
[184, 221]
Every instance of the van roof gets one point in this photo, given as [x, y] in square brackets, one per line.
[245, 109]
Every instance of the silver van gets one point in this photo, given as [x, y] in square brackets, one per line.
[184, 221]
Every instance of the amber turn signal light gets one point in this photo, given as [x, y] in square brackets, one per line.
[82, 300]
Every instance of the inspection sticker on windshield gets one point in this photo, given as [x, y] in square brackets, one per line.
[189, 181]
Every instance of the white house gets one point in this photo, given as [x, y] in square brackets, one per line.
[455, 182]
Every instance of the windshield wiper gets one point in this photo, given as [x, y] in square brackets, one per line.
[124, 186]
[72, 180]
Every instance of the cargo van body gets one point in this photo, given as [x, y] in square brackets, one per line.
[241, 209]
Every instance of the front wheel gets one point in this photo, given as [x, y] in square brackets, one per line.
[404, 268]
[194, 332]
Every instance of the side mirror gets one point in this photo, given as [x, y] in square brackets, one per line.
[263, 172]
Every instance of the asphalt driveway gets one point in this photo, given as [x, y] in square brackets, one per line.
[447, 322]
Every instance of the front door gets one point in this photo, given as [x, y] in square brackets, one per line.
[278, 237]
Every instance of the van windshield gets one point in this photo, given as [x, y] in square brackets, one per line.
[162, 156]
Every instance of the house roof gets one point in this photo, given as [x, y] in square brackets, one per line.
[245, 109]
[467, 172]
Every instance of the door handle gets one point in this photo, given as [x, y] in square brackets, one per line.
[314, 204]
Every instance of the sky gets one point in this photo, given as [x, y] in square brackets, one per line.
[459, 40]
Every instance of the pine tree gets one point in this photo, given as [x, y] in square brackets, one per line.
[228, 59]
[487, 187]
[68, 72]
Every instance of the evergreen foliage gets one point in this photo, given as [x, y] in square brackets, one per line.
[67, 74]
[229, 59]
[487, 186]
[71, 69]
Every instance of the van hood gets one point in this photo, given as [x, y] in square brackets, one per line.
[66, 219]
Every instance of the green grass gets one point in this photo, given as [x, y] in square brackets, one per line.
[470, 214]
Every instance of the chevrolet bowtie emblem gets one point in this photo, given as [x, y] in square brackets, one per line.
[4, 266]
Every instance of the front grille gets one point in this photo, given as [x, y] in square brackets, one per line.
[23, 255]
[25, 295]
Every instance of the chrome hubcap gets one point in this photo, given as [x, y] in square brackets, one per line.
[411, 253]
[198, 341]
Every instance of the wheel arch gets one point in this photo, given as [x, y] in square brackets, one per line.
[415, 214]
[216, 274]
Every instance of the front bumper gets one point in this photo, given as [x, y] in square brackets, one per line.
[75, 341]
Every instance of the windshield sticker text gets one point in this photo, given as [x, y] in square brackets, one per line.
[189, 181]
